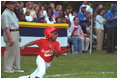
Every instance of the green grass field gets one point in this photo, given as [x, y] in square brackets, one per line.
[98, 65]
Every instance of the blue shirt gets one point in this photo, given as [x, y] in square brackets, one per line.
[115, 16]
[81, 17]
[56, 13]
[109, 15]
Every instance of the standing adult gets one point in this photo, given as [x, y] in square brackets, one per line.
[100, 20]
[83, 19]
[11, 36]
[110, 29]
[115, 24]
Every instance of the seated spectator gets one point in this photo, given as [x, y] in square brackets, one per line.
[75, 40]
[28, 18]
[79, 33]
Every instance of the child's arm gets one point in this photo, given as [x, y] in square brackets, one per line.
[28, 44]
[56, 53]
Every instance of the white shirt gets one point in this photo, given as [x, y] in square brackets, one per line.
[71, 17]
[99, 22]
[50, 22]
[69, 32]
[45, 13]
[78, 31]
[28, 18]
[9, 19]
[89, 9]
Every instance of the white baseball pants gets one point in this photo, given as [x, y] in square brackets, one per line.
[41, 68]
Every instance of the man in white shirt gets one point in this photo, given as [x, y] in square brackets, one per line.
[9, 23]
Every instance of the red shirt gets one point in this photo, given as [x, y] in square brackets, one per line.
[45, 52]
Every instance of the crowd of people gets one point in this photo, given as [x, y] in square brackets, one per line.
[104, 22]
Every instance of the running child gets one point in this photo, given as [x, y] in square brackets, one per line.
[48, 47]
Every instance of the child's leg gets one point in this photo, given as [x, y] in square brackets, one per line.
[41, 68]
[48, 65]
[34, 73]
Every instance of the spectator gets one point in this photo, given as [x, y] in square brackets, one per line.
[75, 40]
[52, 7]
[67, 14]
[50, 19]
[37, 8]
[89, 8]
[115, 24]
[61, 13]
[43, 9]
[84, 4]
[25, 7]
[71, 17]
[83, 19]
[74, 14]
[39, 15]
[28, 18]
[58, 9]
[12, 39]
[100, 21]
[79, 33]
[100, 6]
[19, 12]
[110, 18]
[30, 7]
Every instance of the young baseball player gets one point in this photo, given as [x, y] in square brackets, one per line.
[48, 47]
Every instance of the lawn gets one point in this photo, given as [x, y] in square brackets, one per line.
[98, 65]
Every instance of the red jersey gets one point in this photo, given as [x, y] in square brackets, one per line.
[45, 52]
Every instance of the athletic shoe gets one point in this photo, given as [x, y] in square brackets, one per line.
[18, 70]
[37, 77]
[9, 71]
